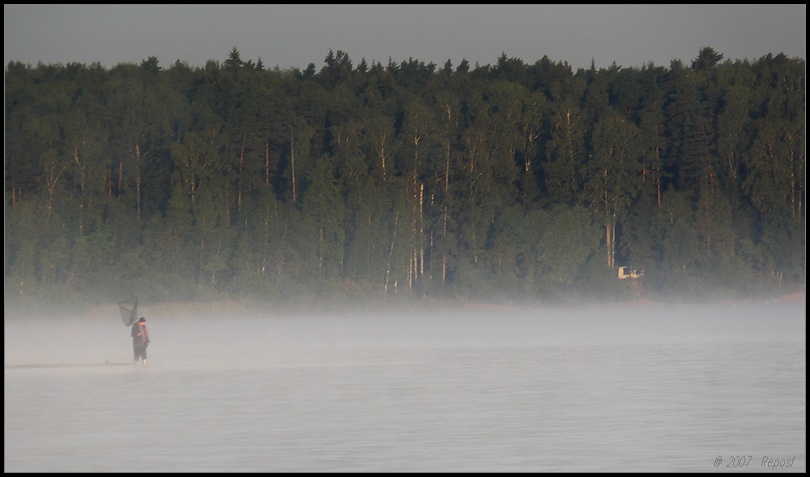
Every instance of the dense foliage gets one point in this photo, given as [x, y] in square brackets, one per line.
[510, 181]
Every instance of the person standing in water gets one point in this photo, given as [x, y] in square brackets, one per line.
[140, 340]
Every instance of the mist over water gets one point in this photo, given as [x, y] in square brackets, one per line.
[589, 388]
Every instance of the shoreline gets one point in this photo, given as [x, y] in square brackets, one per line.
[255, 307]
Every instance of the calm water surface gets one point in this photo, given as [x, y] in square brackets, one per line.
[667, 389]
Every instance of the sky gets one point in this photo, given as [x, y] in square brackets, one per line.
[293, 36]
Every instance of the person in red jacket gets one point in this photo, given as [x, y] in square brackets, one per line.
[140, 340]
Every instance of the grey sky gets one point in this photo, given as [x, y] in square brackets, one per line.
[290, 36]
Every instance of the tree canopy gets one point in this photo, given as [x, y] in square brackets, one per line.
[512, 181]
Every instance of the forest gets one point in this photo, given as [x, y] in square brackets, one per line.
[372, 183]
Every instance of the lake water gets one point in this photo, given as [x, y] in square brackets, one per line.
[609, 389]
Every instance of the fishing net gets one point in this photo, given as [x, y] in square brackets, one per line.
[129, 311]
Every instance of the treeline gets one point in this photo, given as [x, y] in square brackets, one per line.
[510, 181]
